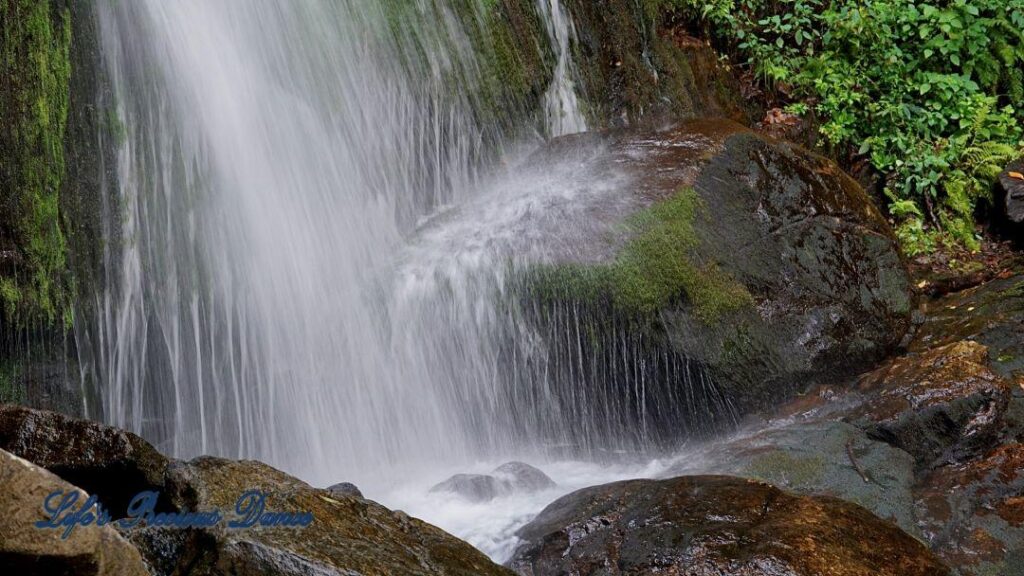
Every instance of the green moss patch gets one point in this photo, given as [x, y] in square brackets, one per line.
[658, 265]
[35, 42]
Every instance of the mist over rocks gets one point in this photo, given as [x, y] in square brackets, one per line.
[509, 478]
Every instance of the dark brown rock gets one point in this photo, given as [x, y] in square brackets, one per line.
[1012, 184]
[349, 535]
[704, 525]
[27, 551]
[972, 514]
[779, 273]
[109, 462]
[943, 404]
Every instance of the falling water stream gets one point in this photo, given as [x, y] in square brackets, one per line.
[315, 246]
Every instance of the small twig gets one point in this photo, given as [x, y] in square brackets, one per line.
[856, 466]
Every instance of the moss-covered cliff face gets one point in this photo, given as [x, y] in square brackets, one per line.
[632, 64]
[50, 192]
[36, 66]
[636, 65]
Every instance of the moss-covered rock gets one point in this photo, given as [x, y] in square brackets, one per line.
[762, 264]
[35, 62]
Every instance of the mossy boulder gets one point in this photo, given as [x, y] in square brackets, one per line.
[713, 525]
[755, 263]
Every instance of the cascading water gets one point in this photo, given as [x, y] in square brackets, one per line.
[315, 256]
[561, 106]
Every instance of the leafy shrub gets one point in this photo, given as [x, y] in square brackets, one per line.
[931, 91]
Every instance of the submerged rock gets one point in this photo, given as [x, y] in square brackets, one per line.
[109, 462]
[714, 525]
[523, 477]
[27, 550]
[474, 487]
[942, 404]
[509, 478]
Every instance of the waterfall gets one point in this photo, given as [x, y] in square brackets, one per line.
[562, 111]
[314, 250]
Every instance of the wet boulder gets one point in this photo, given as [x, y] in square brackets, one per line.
[27, 550]
[509, 478]
[347, 534]
[474, 487]
[713, 525]
[1011, 183]
[972, 513]
[523, 477]
[944, 404]
[734, 270]
[345, 489]
[820, 458]
[109, 462]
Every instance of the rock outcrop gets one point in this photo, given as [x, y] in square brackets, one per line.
[973, 512]
[943, 404]
[349, 535]
[714, 525]
[735, 270]
[27, 550]
[109, 462]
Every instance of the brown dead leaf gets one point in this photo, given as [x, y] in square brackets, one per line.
[1016, 175]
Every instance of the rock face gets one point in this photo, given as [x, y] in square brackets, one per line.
[973, 513]
[27, 550]
[749, 260]
[945, 403]
[349, 535]
[821, 458]
[509, 478]
[111, 463]
[713, 525]
[1012, 185]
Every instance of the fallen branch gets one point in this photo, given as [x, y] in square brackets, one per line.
[856, 466]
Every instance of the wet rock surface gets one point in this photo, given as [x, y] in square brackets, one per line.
[509, 478]
[27, 550]
[713, 525]
[1012, 184]
[823, 458]
[944, 405]
[345, 489]
[348, 534]
[796, 276]
[111, 463]
[973, 513]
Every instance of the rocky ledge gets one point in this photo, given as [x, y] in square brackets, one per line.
[41, 452]
[714, 525]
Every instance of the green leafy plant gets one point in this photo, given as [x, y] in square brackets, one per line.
[932, 92]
